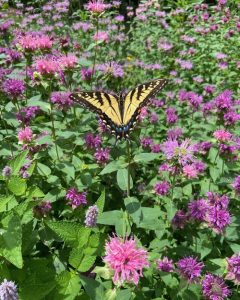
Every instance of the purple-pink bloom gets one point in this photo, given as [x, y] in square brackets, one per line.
[27, 113]
[197, 209]
[13, 87]
[92, 142]
[162, 188]
[214, 287]
[222, 135]
[171, 115]
[75, 198]
[96, 6]
[180, 219]
[182, 152]
[126, 259]
[42, 209]
[146, 141]
[217, 200]
[155, 148]
[6, 171]
[111, 68]
[190, 171]
[102, 155]
[233, 268]
[231, 117]
[86, 73]
[62, 100]
[165, 264]
[190, 268]
[91, 216]
[223, 101]
[8, 290]
[174, 133]
[25, 135]
[236, 184]
[218, 219]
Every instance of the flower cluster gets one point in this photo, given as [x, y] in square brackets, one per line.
[75, 198]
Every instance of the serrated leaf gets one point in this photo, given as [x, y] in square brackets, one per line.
[17, 185]
[68, 286]
[67, 231]
[4, 201]
[18, 162]
[11, 240]
[86, 263]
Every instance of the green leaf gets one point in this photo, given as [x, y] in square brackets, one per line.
[43, 169]
[235, 247]
[124, 294]
[67, 168]
[215, 173]
[169, 280]
[11, 240]
[187, 189]
[18, 162]
[145, 157]
[17, 185]
[36, 100]
[93, 288]
[80, 261]
[67, 231]
[113, 166]
[101, 201]
[122, 179]
[68, 286]
[53, 152]
[110, 217]
[39, 279]
[4, 201]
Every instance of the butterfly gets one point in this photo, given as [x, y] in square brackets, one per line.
[120, 113]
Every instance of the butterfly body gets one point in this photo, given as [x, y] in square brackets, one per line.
[119, 113]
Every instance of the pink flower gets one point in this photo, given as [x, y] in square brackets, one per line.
[125, 259]
[25, 135]
[101, 36]
[68, 62]
[47, 66]
[31, 43]
[222, 135]
[102, 155]
[143, 113]
[96, 6]
[190, 171]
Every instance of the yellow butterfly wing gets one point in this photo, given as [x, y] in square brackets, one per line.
[138, 97]
[104, 104]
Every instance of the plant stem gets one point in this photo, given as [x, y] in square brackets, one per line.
[52, 121]
[128, 168]
[95, 54]
[5, 126]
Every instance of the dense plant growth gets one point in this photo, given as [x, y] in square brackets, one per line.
[74, 225]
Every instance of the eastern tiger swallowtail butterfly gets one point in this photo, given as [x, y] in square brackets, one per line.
[120, 113]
